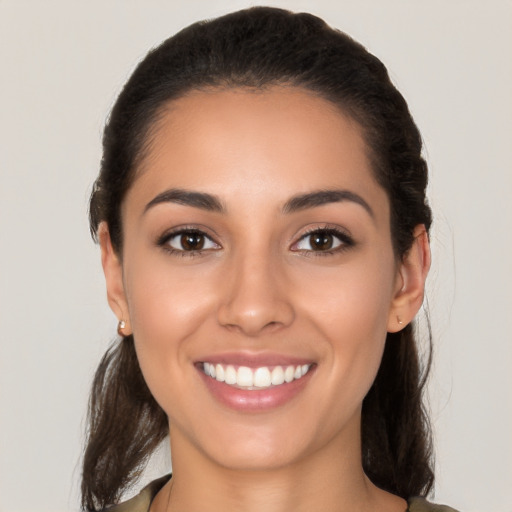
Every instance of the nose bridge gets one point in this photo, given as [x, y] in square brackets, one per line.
[255, 296]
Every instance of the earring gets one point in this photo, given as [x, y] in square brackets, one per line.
[399, 320]
[120, 326]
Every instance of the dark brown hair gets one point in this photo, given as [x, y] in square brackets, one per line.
[258, 48]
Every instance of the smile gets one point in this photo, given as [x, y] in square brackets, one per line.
[262, 377]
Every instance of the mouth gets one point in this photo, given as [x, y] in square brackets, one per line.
[253, 379]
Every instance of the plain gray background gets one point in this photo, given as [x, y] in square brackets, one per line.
[62, 64]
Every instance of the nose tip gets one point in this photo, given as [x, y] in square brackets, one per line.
[253, 321]
[255, 302]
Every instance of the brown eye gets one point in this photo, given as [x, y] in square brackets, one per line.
[190, 241]
[321, 241]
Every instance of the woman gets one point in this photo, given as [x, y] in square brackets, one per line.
[263, 225]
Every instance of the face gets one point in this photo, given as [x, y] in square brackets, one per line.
[257, 275]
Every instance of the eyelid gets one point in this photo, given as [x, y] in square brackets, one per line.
[345, 238]
[163, 240]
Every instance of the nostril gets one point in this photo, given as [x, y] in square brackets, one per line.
[254, 299]
[255, 321]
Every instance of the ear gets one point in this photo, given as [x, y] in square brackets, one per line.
[411, 278]
[113, 270]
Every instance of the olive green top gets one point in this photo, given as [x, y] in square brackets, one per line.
[142, 501]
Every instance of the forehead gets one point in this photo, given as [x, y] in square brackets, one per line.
[238, 143]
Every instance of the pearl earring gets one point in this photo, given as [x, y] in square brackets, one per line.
[120, 326]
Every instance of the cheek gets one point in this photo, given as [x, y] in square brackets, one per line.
[350, 308]
[356, 297]
[166, 301]
[166, 307]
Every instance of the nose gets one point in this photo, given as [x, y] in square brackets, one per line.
[255, 298]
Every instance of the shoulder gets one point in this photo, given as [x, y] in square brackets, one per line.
[422, 505]
[142, 501]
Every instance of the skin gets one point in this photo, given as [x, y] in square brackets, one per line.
[258, 287]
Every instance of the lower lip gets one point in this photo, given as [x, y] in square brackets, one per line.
[257, 400]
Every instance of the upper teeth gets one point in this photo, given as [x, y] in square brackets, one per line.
[255, 378]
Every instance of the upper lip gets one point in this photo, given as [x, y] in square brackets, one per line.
[254, 360]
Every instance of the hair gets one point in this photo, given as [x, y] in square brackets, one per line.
[258, 48]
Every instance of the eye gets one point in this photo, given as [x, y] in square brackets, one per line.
[323, 240]
[189, 241]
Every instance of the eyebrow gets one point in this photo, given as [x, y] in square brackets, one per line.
[322, 197]
[297, 203]
[200, 200]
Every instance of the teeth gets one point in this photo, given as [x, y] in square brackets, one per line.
[289, 373]
[230, 375]
[278, 376]
[262, 378]
[255, 378]
[209, 369]
[219, 373]
[244, 377]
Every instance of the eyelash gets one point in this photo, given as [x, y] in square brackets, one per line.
[345, 241]
[164, 240]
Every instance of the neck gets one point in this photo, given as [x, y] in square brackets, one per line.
[317, 482]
